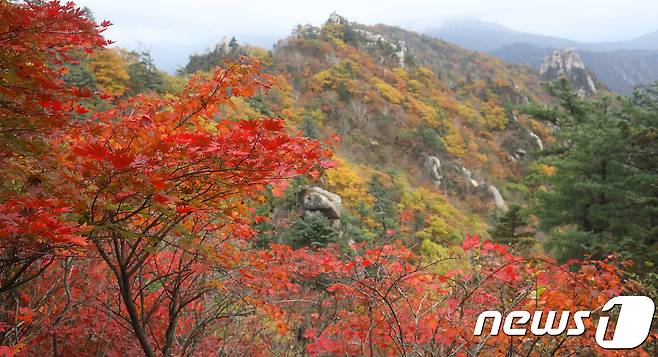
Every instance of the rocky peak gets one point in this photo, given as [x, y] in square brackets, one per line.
[363, 37]
[568, 64]
[334, 18]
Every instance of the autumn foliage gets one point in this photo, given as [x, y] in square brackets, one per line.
[128, 231]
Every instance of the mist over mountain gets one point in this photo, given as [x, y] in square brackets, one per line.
[620, 70]
[620, 65]
[483, 36]
[486, 36]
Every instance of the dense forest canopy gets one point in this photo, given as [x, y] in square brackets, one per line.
[357, 190]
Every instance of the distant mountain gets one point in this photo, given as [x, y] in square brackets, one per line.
[620, 70]
[620, 65]
[484, 36]
[645, 42]
[523, 53]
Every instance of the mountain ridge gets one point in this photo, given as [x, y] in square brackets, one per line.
[455, 31]
[621, 65]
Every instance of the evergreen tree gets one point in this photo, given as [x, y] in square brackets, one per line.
[603, 196]
[384, 208]
[309, 128]
[207, 61]
[143, 74]
[513, 228]
[311, 230]
[79, 74]
[233, 45]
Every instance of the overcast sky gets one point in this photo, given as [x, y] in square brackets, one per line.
[172, 29]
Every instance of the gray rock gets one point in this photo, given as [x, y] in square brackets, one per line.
[568, 64]
[497, 198]
[401, 53]
[337, 19]
[540, 144]
[433, 167]
[469, 177]
[315, 199]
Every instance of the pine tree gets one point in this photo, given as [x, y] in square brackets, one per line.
[311, 230]
[309, 128]
[384, 208]
[603, 196]
[143, 74]
[513, 228]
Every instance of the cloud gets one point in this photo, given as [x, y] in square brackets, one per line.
[173, 29]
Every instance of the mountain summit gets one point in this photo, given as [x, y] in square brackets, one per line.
[567, 64]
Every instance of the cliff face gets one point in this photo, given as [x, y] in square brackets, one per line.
[568, 64]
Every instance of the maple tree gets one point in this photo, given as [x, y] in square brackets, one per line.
[36, 39]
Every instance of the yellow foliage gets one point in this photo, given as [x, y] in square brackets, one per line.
[334, 32]
[445, 258]
[425, 75]
[241, 109]
[344, 72]
[109, 71]
[388, 91]
[547, 170]
[415, 86]
[348, 181]
[425, 111]
[454, 141]
[437, 230]
[262, 54]
[469, 114]
[495, 117]
[173, 84]
[444, 220]
[400, 72]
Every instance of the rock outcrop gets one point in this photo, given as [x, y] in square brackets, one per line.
[468, 175]
[337, 19]
[433, 166]
[538, 141]
[363, 37]
[315, 199]
[497, 198]
[567, 64]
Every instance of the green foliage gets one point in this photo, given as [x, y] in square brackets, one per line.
[437, 230]
[309, 128]
[603, 196]
[442, 258]
[429, 138]
[384, 208]
[207, 61]
[80, 76]
[513, 229]
[257, 103]
[143, 75]
[311, 230]
[353, 228]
